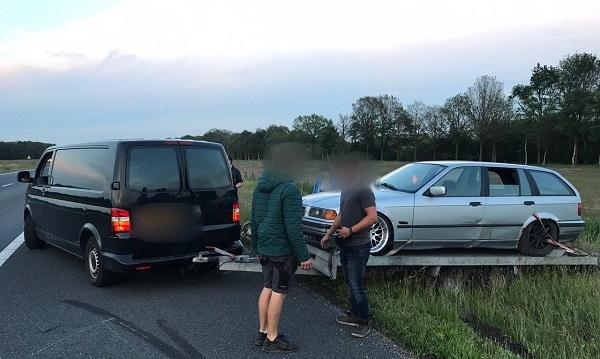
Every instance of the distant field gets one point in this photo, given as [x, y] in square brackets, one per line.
[482, 313]
[15, 165]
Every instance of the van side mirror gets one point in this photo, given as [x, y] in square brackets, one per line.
[24, 176]
[437, 191]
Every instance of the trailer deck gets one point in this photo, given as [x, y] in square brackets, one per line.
[326, 262]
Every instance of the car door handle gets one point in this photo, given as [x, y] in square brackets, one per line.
[529, 203]
[475, 204]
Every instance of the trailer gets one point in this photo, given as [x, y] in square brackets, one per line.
[326, 262]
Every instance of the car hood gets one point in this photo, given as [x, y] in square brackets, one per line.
[331, 200]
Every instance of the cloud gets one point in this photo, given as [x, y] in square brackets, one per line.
[146, 69]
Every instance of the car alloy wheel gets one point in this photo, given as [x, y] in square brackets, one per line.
[380, 234]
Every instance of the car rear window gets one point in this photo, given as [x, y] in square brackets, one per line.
[153, 169]
[549, 184]
[207, 168]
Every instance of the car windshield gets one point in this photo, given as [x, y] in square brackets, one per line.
[410, 178]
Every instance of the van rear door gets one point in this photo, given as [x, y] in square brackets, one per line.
[168, 217]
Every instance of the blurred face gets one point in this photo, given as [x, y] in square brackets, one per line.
[287, 159]
[353, 170]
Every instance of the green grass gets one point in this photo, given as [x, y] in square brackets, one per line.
[553, 312]
[15, 165]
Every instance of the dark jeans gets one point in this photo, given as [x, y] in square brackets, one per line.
[354, 265]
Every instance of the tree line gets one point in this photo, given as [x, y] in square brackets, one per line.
[555, 117]
[22, 150]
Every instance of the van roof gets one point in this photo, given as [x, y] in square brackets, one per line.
[135, 142]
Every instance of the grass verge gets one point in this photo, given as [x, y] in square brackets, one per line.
[15, 165]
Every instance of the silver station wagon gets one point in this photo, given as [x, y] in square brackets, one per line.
[462, 204]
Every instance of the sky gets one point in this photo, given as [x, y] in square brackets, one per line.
[76, 70]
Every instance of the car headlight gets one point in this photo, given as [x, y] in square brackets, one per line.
[328, 214]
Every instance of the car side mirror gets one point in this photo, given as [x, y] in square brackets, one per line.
[437, 191]
[24, 176]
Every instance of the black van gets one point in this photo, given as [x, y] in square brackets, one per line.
[132, 205]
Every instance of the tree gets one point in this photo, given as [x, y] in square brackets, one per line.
[309, 127]
[454, 114]
[363, 122]
[276, 134]
[537, 103]
[343, 128]
[579, 80]
[487, 110]
[414, 126]
[434, 126]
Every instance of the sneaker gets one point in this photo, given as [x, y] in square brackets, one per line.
[260, 339]
[279, 345]
[361, 331]
[348, 319]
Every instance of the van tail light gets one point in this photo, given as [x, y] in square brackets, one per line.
[119, 219]
[236, 212]
[580, 208]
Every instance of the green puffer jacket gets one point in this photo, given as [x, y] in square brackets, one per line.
[276, 218]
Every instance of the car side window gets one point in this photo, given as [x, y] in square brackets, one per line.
[549, 184]
[503, 182]
[43, 170]
[462, 182]
[524, 183]
[81, 168]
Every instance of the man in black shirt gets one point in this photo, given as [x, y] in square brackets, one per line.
[351, 228]
[235, 173]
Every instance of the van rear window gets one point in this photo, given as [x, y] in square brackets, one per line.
[153, 169]
[207, 168]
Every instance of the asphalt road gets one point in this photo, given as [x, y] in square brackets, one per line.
[49, 310]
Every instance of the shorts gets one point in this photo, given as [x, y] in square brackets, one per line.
[278, 272]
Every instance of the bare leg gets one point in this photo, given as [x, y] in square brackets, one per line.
[273, 314]
[263, 305]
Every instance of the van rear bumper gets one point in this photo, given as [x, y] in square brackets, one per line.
[126, 262]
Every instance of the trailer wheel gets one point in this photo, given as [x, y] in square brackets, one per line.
[382, 236]
[32, 241]
[533, 239]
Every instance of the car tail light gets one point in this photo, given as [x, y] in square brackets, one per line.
[119, 219]
[580, 208]
[236, 212]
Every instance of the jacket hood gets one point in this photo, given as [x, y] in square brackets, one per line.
[268, 180]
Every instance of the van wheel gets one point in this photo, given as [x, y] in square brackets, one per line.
[32, 241]
[382, 236]
[94, 262]
[533, 239]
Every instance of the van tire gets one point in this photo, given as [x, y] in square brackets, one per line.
[32, 241]
[95, 266]
[532, 242]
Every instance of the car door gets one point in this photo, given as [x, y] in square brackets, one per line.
[37, 195]
[454, 217]
[509, 204]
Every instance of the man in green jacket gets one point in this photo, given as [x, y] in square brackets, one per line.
[276, 219]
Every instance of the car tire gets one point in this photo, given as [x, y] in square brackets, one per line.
[95, 265]
[532, 241]
[32, 241]
[382, 232]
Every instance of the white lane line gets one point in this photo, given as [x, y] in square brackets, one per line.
[11, 248]
[6, 185]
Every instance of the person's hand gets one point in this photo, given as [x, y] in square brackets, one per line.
[306, 265]
[325, 241]
[344, 232]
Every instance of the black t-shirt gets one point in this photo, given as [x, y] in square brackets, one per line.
[352, 209]
[237, 176]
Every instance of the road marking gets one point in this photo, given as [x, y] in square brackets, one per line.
[6, 185]
[11, 248]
